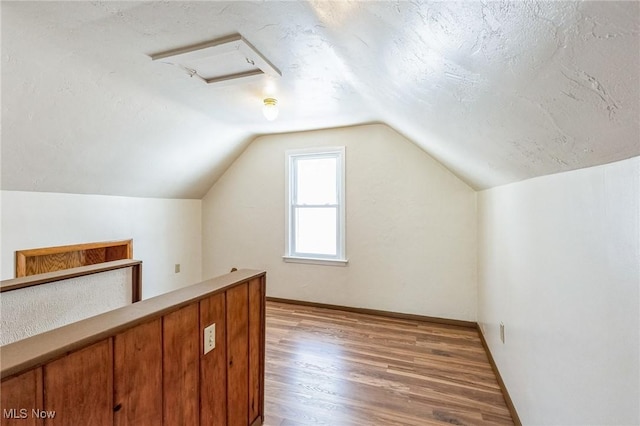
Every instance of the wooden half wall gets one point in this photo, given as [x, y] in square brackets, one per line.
[49, 259]
[144, 364]
[38, 303]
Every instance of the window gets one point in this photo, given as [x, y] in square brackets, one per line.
[315, 207]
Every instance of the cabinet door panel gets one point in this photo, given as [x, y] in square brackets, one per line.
[238, 355]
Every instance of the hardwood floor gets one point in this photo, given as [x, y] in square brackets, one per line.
[327, 367]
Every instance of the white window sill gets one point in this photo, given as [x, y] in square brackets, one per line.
[316, 261]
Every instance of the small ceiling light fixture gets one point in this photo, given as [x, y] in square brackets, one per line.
[270, 108]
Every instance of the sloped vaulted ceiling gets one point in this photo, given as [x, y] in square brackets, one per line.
[496, 91]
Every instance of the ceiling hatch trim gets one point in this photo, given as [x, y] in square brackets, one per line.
[220, 60]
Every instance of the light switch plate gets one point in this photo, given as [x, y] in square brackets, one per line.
[209, 338]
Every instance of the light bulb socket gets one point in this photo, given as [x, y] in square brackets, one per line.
[270, 108]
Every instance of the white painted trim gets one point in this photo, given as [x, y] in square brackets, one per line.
[316, 261]
[341, 182]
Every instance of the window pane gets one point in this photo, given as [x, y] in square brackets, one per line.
[316, 180]
[315, 230]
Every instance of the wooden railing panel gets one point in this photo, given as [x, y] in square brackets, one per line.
[49, 259]
[20, 395]
[106, 369]
[255, 313]
[180, 366]
[39, 303]
[53, 262]
[213, 365]
[79, 387]
[118, 252]
[138, 375]
[94, 256]
[51, 277]
[238, 356]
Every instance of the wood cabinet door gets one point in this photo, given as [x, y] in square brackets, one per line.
[237, 299]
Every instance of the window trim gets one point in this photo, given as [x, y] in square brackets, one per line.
[340, 258]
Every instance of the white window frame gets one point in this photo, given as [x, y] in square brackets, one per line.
[291, 255]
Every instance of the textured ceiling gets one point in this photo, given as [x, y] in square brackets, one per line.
[496, 91]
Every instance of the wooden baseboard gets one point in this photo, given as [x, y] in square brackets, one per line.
[503, 387]
[389, 314]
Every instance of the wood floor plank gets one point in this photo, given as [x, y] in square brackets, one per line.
[328, 367]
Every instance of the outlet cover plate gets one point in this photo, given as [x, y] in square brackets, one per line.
[209, 338]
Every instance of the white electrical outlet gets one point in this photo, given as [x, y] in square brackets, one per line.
[209, 338]
[502, 331]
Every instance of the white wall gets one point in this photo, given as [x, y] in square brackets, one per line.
[559, 264]
[164, 231]
[411, 226]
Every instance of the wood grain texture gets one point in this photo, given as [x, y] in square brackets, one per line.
[255, 348]
[93, 256]
[390, 314]
[79, 387]
[23, 392]
[237, 355]
[49, 259]
[28, 353]
[116, 252]
[213, 365]
[180, 367]
[330, 367]
[263, 332]
[138, 375]
[53, 262]
[148, 368]
[136, 283]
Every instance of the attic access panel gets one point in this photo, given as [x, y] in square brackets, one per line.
[220, 60]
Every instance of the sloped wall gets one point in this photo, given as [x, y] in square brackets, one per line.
[559, 265]
[411, 226]
[164, 232]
